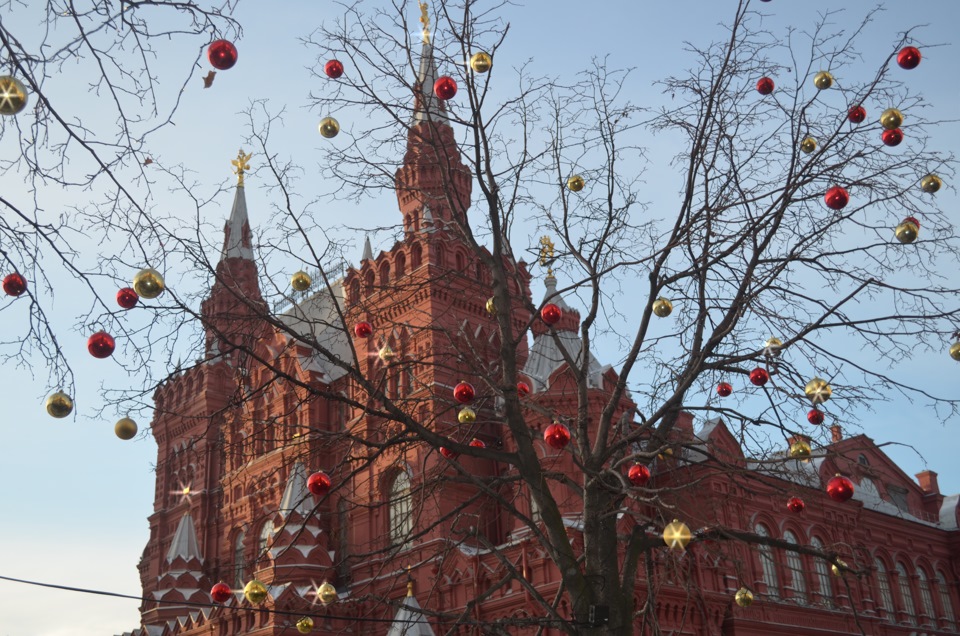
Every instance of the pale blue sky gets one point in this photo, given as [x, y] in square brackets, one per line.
[77, 498]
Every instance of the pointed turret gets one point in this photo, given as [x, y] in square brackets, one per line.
[182, 583]
[184, 545]
[409, 620]
[367, 250]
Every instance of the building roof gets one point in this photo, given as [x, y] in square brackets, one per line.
[184, 544]
[409, 620]
[317, 319]
[296, 497]
[236, 239]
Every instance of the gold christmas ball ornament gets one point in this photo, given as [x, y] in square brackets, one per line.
[800, 449]
[491, 306]
[125, 428]
[305, 625]
[301, 281]
[808, 145]
[931, 183]
[576, 183]
[148, 283]
[955, 351]
[891, 119]
[467, 415]
[13, 95]
[329, 127]
[743, 597]
[907, 231]
[818, 390]
[772, 346]
[480, 62]
[59, 405]
[838, 571]
[255, 592]
[823, 80]
[677, 535]
[386, 354]
[327, 593]
[662, 307]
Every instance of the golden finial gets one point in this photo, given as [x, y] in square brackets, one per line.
[409, 582]
[425, 21]
[546, 254]
[241, 165]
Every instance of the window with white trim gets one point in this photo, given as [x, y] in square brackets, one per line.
[767, 564]
[926, 599]
[883, 583]
[906, 594]
[401, 513]
[795, 569]
[946, 605]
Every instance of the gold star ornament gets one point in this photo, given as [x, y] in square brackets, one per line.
[677, 535]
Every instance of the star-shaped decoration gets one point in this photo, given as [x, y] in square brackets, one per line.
[818, 390]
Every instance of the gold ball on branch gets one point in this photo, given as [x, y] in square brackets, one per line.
[13, 95]
[480, 62]
[305, 625]
[743, 597]
[931, 183]
[576, 183]
[800, 449]
[908, 230]
[386, 354]
[329, 127]
[662, 307]
[327, 593]
[818, 390]
[823, 80]
[255, 592]
[301, 281]
[467, 415]
[955, 351]
[891, 119]
[59, 405]
[677, 535]
[125, 428]
[808, 145]
[491, 306]
[148, 283]
[838, 571]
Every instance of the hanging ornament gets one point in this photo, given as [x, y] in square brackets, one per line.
[772, 346]
[464, 393]
[59, 405]
[305, 625]
[301, 281]
[795, 504]
[808, 145]
[255, 592]
[13, 95]
[326, 593]
[363, 329]
[743, 597]
[386, 354]
[221, 593]
[815, 417]
[125, 428]
[836, 198]
[467, 415]
[908, 230]
[764, 85]
[101, 345]
[639, 475]
[445, 87]
[839, 488]
[931, 183]
[891, 137]
[955, 351]
[662, 307]
[491, 306]
[677, 535]
[823, 80]
[523, 389]
[319, 483]
[449, 454]
[576, 183]
[14, 284]
[818, 390]
[333, 69]
[909, 57]
[477, 443]
[556, 436]
[328, 127]
[148, 283]
[759, 376]
[222, 55]
[837, 568]
[480, 62]
[857, 114]
[551, 314]
[724, 389]
[800, 449]
[127, 298]
[891, 119]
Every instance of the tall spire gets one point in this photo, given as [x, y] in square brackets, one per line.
[296, 497]
[184, 544]
[236, 239]
[427, 106]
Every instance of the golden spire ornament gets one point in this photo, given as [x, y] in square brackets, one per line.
[241, 165]
[425, 21]
[546, 254]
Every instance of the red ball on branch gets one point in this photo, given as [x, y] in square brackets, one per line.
[909, 57]
[363, 329]
[477, 443]
[839, 488]
[127, 298]
[222, 54]
[464, 393]
[319, 483]
[449, 454]
[221, 593]
[523, 389]
[333, 69]
[551, 314]
[795, 504]
[892, 137]
[759, 376]
[836, 198]
[724, 389]
[14, 284]
[815, 417]
[556, 436]
[638, 475]
[101, 345]
[765, 86]
[857, 114]
[445, 87]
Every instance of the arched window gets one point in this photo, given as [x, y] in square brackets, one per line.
[823, 574]
[384, 274]
[461, 262]
[266, 534]
[767, 564]
[401, 514]
[416, 256]
[926, 599]
[883, 583]
[481, 273]
[368, 282]
[946, 605]
[238, 562]
[795, 569]
[354, 291]
[408, 223]
[906, 594]
[401, 262]
[439, 256]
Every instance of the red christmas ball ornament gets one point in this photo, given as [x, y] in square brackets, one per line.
[765, 86]
[857, 114]
[759, 376]
[909, 57]
[445, 87]
[815, 417]
[551, 314]
[464, 393]
[449, 454]
[101, 345]
[523, 389]
[638, 475]
[477, 443]
[724, 389]
[319, 483]
[363, 329]
[127, 298]
[839, 488]
[221, 593]
[557, 436]
[222, 55]
[836, 198]
[892, 137]
[14, 284]
[333, 69]
[795, 504]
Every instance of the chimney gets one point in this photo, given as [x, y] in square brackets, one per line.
[684, 425]
[928, 482]
[836, 434]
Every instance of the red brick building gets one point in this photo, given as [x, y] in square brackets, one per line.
[239, 432]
